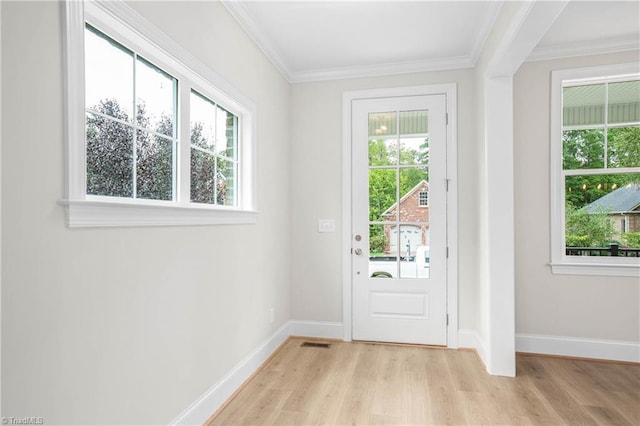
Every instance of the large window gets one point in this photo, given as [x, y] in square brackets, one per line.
[131, 132]
[595, 134]
[154, 137]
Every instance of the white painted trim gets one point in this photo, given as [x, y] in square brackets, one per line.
[124, 24]
[318, 329]
[238, 10]
[613, 350]
[526, 28]
[494, 10]
[499, 220]
[430, 65]
[347, 205]
[584, 48]
[88, 213]
[1, 416]
[560, 262]
[470, 339]
[204, 407]
[450, 90]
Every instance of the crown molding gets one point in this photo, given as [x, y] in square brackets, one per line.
[584, 48]
[255, 31]
[239, 12]
[485, 29]
[376, 70]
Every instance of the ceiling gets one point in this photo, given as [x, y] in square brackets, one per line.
[321, 40]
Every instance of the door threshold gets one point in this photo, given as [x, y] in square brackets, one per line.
[411, 345]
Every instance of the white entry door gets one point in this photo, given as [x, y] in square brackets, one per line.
[399, 254]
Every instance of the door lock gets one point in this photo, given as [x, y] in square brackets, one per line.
[358, 251]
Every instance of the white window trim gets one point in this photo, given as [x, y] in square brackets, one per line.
[121, 22]
[560, 262]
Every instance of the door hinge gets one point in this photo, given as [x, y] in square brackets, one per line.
[447, 252]
[446, 118]
[446, 185]
[447, 319]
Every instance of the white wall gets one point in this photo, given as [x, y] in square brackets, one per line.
[129, 325]
[603, 308]
[316, 191]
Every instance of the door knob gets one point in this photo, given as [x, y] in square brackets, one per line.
[358, 251]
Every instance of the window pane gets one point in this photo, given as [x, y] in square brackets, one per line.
[624, 102]
[382, 194]
[202, 118]
[226, 133]
[225, 183]
[414, 138]
[108, 75]
[623, 146]
[202, 177]
[583, 105]
[155, 98]
[154, 166]
[582, 149]
[600, 210]
[109, 157]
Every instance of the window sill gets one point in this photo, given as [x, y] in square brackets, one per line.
[596, 269]
[111, 213]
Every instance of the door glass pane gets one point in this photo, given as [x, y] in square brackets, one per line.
[383, 124]
[414, 249]
[399, 194]
[414, 137]
[383, 152]
[382, 194]
[383, 139]
[382, 262]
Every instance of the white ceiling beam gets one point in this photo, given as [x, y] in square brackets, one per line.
[528, 27]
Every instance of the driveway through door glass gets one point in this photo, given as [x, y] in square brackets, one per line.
[399, 219]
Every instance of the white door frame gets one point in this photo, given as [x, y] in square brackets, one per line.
[450, 91]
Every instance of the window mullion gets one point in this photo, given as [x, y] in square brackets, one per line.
[135, 132]
[215, 157]
[184, 145]
[606, 125]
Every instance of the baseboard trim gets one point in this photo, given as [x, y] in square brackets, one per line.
[317, 329]
[470, 339]
[612, 350]
[203, 408]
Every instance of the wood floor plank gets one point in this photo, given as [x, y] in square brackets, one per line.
[366, 384]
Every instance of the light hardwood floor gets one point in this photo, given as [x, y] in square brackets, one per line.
[373, 384]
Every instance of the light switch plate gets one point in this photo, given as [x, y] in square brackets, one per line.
[326, 225]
